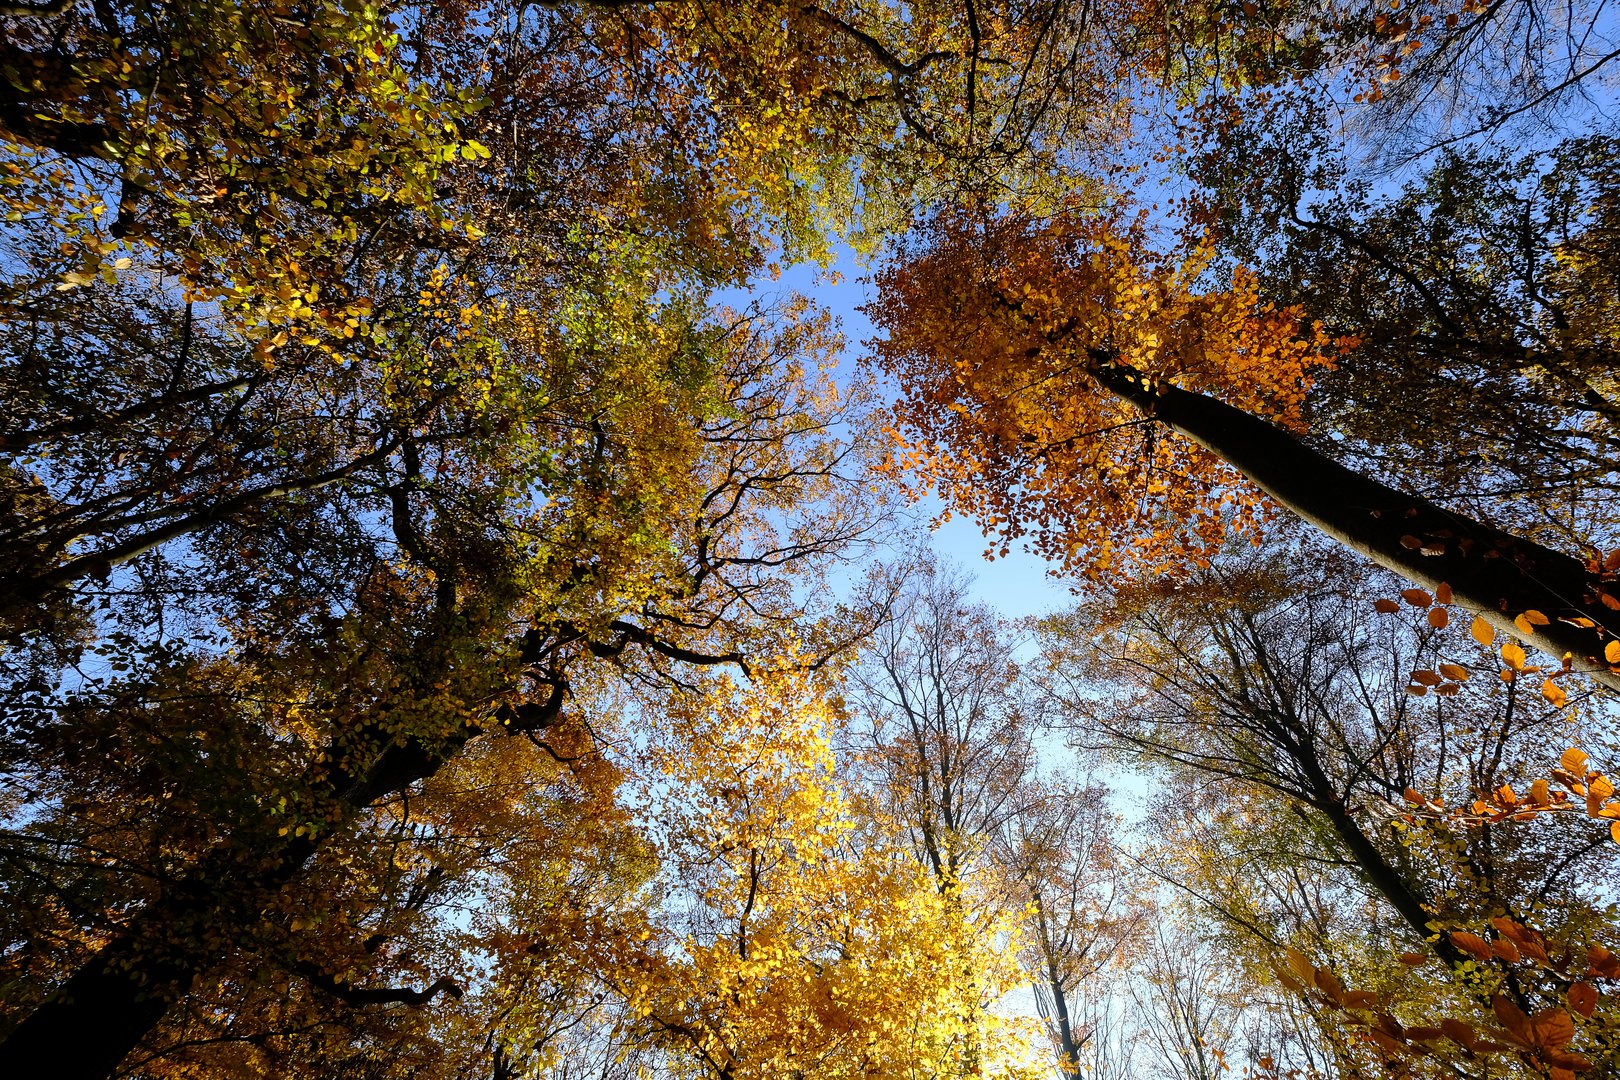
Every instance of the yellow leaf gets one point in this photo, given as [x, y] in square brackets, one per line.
[1535, 618]
[1513, 655]
[1611, 652]
[1482, 631]
[1573, 760]
[1554, 694]
[1614, 831]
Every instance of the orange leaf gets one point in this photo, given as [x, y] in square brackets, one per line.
[1554, 694]
[1611, 652]
[1472, 943]
[1416, 597]
[1513, 655]
[1583, 998]
[1573, 760]
[1539, 793]
[1447, 689]
[1482, 631]
[1454, 671]
[1442, 593]
[1386, 606]
[1614, 831]
[1415, 959]
[1438, 617]
[1426, 677]
[1535, 618]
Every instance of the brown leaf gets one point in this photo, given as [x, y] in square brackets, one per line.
[1512, 1018]
[1329, 985]
[1415, 959]
[1426, 677]
[1455, 672]
[1458, 1032]
[1438, 618]
[1386, 606]
[1417, 597]
[1472, 943]
[1552, 1028]
[1442, 593]
[1583, 998]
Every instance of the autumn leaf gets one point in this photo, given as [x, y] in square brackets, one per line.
[1483, 632]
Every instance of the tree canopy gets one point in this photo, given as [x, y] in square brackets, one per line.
[457, 619]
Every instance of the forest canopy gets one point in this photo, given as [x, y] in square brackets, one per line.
[461, 618]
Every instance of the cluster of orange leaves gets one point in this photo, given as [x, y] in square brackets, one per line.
[1580, 790]
[994, 332]
[1446, 679]
[1540, 1039]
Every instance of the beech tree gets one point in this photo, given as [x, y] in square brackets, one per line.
[1059, 379]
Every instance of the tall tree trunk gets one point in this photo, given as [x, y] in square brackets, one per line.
[1494, 573]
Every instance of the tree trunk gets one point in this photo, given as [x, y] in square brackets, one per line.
[1491, 572]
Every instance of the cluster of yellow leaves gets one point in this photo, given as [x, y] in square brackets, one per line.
[994, 332]
[810, 939]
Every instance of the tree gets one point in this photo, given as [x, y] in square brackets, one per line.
[1084, 917]
[1273, 693]
[1039, 365]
